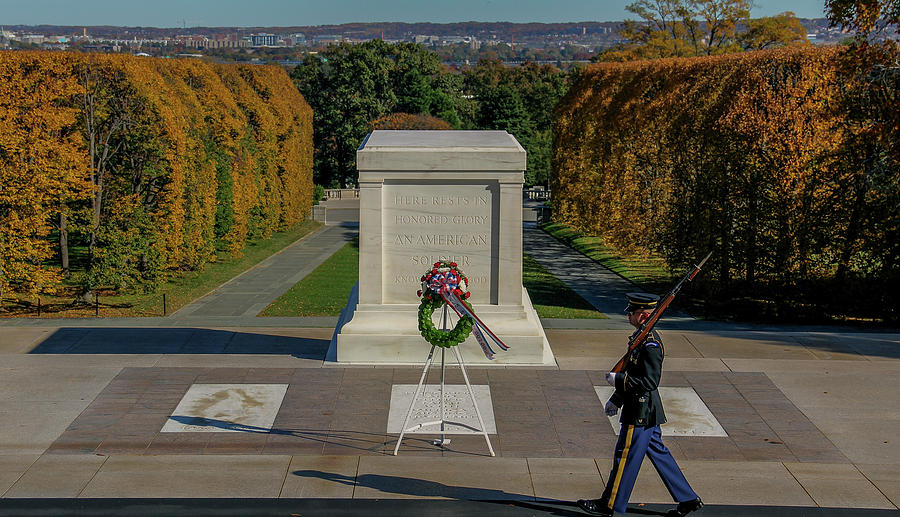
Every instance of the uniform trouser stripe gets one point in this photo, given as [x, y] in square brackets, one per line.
[620, 468]
[634, 443]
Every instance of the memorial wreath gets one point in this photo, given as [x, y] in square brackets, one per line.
[445, 283]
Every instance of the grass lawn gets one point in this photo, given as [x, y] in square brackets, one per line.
[650, 274]
[324, 292]
[180, 289]
[551, 297]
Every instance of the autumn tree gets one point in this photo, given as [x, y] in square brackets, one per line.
[865, 17]
[684, 28]
[871, 71]
[42, 165]
[154, 165]
[107, 112]
[772, 31]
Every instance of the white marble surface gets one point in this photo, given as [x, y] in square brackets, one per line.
[686, 414]
[235, 408]
[452, 139]
[396, 153]
[459, 412]
[423, 224]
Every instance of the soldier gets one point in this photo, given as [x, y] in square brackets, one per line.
[642, 414]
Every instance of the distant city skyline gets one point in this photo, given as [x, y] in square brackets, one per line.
[285, 13]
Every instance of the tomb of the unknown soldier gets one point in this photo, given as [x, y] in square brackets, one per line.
[431, 196]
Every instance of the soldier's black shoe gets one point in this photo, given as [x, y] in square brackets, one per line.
[686, 507]
[595, 507]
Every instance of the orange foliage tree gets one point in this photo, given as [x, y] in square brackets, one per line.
[742, 154]
[184, 159]
[42, 165]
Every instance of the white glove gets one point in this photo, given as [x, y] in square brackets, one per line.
[611, 379]
[611, 409]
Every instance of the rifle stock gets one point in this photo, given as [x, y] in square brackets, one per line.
[644, 330]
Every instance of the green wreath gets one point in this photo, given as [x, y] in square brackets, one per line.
[441, 338]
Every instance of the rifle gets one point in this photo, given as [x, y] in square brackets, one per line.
[644, 330]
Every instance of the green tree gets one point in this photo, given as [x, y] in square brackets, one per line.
[347, 86]
[350, 85]
[520, 100]
[126, 256]
[502, 108]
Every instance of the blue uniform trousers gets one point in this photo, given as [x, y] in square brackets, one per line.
[635, 442]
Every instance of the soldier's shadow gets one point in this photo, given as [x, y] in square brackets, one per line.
[425, 488]
[406, 485]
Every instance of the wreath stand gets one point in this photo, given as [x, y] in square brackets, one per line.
[443, 440]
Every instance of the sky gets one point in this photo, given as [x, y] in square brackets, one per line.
[284, 13]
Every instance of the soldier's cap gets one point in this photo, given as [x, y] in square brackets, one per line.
[639, 301]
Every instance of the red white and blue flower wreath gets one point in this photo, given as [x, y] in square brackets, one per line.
[445, 283]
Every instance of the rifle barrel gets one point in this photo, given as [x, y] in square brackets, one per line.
[647, 326]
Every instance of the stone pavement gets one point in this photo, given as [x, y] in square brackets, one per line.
[810, 418]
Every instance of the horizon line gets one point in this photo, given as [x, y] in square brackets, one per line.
[327, 24]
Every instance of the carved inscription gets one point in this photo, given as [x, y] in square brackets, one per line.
[423, 224]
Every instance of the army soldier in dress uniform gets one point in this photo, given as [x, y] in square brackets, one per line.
[642, 414]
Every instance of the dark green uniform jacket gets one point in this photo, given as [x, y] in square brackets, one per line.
[636, 391]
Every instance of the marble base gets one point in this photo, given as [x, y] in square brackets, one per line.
[388, 334]
[686, 414]
[459, 413]
[227, 408]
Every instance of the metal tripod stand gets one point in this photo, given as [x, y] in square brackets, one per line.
[443, 440]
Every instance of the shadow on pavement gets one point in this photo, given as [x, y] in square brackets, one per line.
[94, 340]
[834, 341]
[139, 507]
[415, 487]
[356, 440]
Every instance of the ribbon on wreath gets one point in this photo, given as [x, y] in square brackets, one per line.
[451, 285]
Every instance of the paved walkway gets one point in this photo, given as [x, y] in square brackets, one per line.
[251, 292]
[601, 287]
[83, 410]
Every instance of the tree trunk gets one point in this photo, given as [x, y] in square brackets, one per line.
[852, 232]
[752, 253]
[860, 187]
[63, 244]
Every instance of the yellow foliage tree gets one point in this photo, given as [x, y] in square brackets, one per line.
[173, 159]
[744, 154]
[42, 164]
